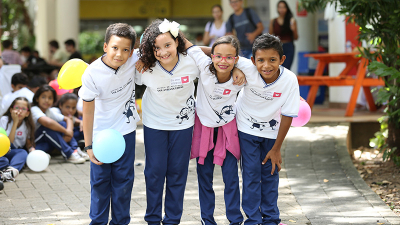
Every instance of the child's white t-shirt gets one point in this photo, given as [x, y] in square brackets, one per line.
[213, 31]
[21, 134]
[260, 105]
[114, 95]
[215, 105]
[37, 113]
[168, 102]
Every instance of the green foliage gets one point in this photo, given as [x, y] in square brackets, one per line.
[16, 23]
[91, 42]
[379, 27]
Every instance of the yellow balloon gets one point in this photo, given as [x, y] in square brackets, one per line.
[70, 75]
[4, 144]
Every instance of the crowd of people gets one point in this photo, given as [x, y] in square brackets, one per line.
[242, 110]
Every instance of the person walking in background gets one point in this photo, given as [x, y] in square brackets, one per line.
[216, 28]
[10, 56]
[285, 27]
[246, 24]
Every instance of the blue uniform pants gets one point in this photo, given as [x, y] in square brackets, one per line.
[47, 139]
[230, 177]
[15, 158]
[288, 51]
[113, 182]
[260, 188]
[167, 160]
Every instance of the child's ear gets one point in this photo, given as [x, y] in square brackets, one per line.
[105, 47]
[253, 60]
[237, 59]
[282, 59]
[13, 86]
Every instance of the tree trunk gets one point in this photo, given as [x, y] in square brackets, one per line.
[393, 139]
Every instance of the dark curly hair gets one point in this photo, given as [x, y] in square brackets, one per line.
[229, 39]
[267, 41]
[146, 49]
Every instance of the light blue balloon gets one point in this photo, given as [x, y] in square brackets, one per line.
[108, 146]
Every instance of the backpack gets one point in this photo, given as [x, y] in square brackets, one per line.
[247, 12]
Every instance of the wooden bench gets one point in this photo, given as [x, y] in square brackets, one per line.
[357, 80]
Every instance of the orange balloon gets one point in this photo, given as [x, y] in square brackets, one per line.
[4, 144]
[70, 75]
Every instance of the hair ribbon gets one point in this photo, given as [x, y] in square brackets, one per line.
[172, 27]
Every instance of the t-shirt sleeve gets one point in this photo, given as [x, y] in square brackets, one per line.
[138, 77]
[207, 28]
[36, 113]
[88, 91]
[3, 122]
[254, 16]
[201, 59]
[56, 114]
[291, 107]
[228, 25]
[246, 66]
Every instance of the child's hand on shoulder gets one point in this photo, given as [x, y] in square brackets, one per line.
[238, 77]
[140, 66]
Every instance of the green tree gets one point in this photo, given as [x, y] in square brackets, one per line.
[379, 25]
[16, 22]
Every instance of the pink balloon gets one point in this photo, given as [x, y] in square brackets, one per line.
[303, 116]
[59, 91]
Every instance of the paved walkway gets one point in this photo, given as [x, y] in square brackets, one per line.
[318, 185]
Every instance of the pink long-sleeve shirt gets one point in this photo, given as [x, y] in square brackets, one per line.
[202, 142]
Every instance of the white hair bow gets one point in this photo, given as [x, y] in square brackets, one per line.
[172, 27]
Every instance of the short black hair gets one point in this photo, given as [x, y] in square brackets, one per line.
[54, 43]
[121, 30]
[42, 89]
[26, 49]
[70, 42]
[37, 81]
[19, 78]
[267, 41]
[6, 44]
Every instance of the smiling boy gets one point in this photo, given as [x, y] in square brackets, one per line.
[108, 93]
[265, 108]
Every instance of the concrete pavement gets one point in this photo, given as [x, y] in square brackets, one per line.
[318, 185]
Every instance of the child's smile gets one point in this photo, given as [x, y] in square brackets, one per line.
[267, 62]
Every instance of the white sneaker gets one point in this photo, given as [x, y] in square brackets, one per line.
[75, 158]
[83, 154]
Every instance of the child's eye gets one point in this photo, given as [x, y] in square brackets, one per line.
[167, 46]
[229, 58]
[260, 60]
[218, 57]
[126, 50]
[157, 48]
[115, 48]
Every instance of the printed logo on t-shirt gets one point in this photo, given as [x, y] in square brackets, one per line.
[186, 112]
[267, 95]
[226, 110]
[19, 133]
[221, 91]
[276, 94]
[262, 125]
[130, 107]
[179, 80]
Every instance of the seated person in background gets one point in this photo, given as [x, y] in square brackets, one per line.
[57, 57]
[71, 49]
[18, 81]
[30, 59]
[27, 92]
[10, 56]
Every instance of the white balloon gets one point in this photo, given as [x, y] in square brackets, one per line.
[37, 160]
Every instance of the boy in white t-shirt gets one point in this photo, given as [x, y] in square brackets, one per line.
[265, 108]
[108, 93]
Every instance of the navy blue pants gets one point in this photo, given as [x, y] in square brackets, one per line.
[78, 135]
[260, 188]
[167, 159]
[230, 177]
[15, 157]
[288, 51]
[113, 182]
